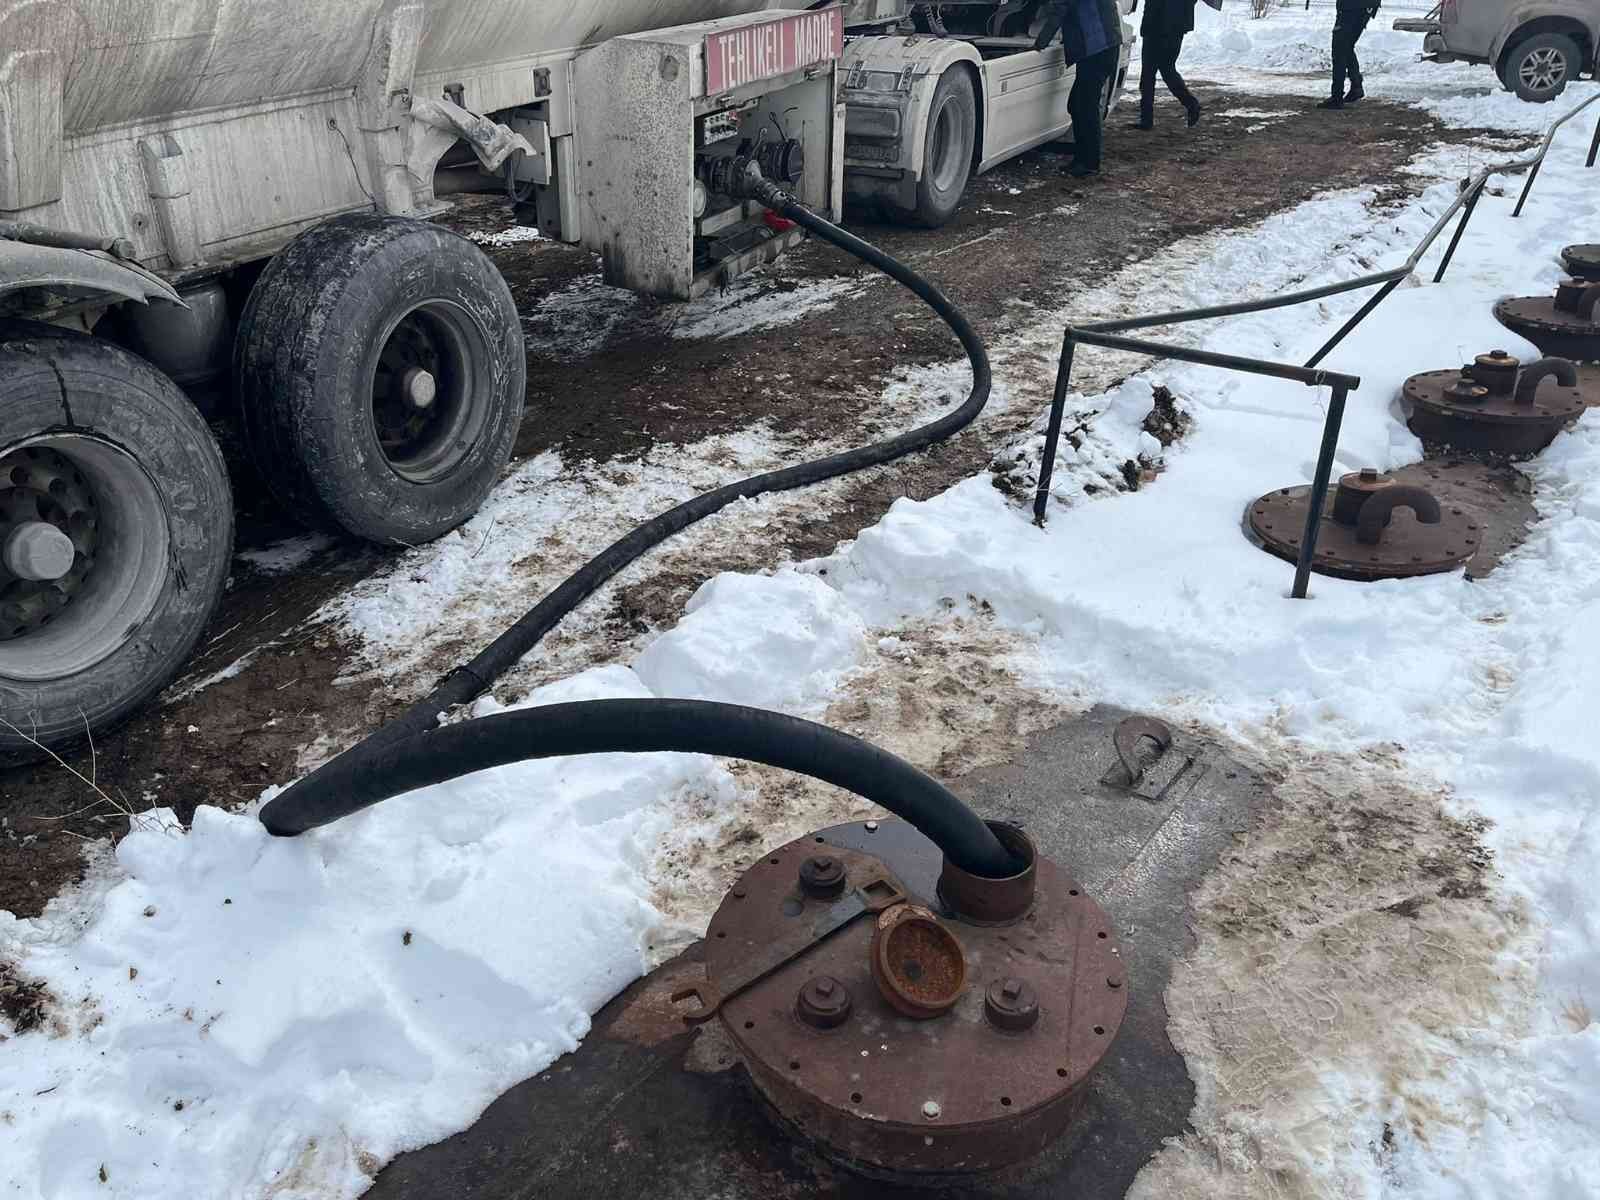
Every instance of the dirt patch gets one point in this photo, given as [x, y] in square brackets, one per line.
[1340, 951]
[26, 1003]
[608, 381]
[939, 694]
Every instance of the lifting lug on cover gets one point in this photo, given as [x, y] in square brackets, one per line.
[1376, 512]
[1126, 740]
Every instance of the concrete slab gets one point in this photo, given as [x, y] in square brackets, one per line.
[645, 1108]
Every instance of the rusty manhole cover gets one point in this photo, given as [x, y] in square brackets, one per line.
[1406, 545]
[1563, 325]
[1582, 260]
[1494, 404]
[968, 1057]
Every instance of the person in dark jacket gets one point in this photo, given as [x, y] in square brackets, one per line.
[1349, 23]
[1091, 37]
[1162, 29]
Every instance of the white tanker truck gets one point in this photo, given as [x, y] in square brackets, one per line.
[230, 198]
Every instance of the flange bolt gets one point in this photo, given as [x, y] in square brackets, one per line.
[1011, 1004]
[823, 1002]
[822, 876]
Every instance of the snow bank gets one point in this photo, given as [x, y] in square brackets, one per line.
[246, 1015]
[783, 641]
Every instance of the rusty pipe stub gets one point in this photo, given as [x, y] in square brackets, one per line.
[1354, 490]
[1496, 371]
[985, 901]
[917, 963]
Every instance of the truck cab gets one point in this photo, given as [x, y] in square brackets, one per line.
[1536, 47]
[927, 110]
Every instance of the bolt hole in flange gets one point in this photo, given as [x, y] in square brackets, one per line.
[934, 1013]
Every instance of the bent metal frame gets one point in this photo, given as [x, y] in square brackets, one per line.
[1108, 334]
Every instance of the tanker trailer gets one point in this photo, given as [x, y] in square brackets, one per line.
[227, 202]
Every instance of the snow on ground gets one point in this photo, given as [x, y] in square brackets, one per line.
[1289, 52]
[236, 1015]
[286, 556]
[760, 303]
[515, 235]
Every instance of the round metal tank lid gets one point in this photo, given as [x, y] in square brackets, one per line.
[1406, 547]
[1582, 259]
[988, 1083]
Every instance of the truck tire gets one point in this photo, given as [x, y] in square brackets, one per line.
[381, 377]
[116, 531]
[1539, 68]
[946, 152]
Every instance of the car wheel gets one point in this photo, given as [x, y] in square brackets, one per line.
[1539, 68]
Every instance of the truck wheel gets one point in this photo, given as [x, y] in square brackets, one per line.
[1538, 68]
[116, 530]
[946, 153]
[381, 377]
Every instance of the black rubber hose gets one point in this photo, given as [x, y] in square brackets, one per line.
[352, 782]
[319, 792]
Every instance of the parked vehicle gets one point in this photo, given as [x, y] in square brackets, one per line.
[219, 209]
[1536, 47]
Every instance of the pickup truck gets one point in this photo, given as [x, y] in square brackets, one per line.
[1536, 47]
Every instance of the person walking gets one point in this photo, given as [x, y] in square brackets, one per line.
[1091, 39]
[1349, 23]
[1161, 30]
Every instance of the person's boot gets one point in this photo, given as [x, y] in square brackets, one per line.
[1194, 113]
[1080, 170]
[1142, 123]
[1332, 102]
[1354, 94]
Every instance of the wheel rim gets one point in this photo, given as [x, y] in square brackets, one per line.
[429, 399]
[1542, 69]
[946, 160]
[98, 496]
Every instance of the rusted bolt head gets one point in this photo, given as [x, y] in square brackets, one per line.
[1011, 1004]
[1369, 474]
[822, 875]
[931, 1110]
[823, 1003]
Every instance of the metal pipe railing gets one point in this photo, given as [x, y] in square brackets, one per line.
[1341, 383]
[1106, 334]
[1544, 148]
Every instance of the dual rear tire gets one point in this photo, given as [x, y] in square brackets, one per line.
[380, 375]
